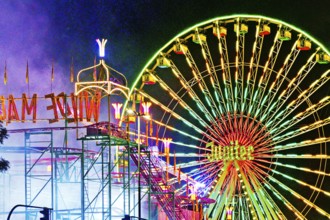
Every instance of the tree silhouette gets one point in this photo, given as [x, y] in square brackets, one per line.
[4, 164]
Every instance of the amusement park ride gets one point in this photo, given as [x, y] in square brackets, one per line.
[228, 120]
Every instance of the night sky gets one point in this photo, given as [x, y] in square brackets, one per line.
[46, 32]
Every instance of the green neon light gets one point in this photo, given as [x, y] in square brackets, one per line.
[214, 114]
[263, 101]
[200, 107]
[208, 100]
[208, 118]
[226, 93]
[186, 31]
[216, 96]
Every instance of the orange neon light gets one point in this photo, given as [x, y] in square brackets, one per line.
[71, 108]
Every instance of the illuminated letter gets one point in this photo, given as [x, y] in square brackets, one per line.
[216, 152]
[81, 105]
[250, 151]
[231, 152]
[3, 114]
[52, 106]
[63, 106]
[12, 110]
[226, 153]
[210, 155]
[92, 107]
[243, 152]
[74, 107]
[29, 108]
[237, 155]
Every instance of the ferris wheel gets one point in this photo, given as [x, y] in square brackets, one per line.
[245, 102]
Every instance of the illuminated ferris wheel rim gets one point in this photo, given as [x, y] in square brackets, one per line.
[245, 16]
[225, 20]
[263, 168]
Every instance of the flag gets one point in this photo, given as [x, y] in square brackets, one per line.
[157, 135]
[5, 74]
[151, 129]
[71, 71]
[187, 187]
[174, 163]
[94, 72]
[27, 72]
[52, 75]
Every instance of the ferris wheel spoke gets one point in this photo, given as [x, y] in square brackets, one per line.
[300, 197]
[210, 168]
[188, 87]
[305, 169]
[209, 172]
[258, 96]
[175, 115]
[229, 102]
[286, 93]
[198, 75]
[239, 64]
[257, 168]
[302, 183]
[180, 131]
[195, 155]
[244, 192]
[249, 190]
[281, 76]
[261, 139]
[300, 131]
[215, 211]
[181, 102]
[212, 72]
[279, 195]
[294, 145]
[264, 199]
[281, 198]
[301, 98]
[219, 182]
[193, 163]
[298, 117]
[212, 173]
[227, 194]
[295, 156]
[181, 144]
[177, 143]
[313, 188]
[253, 69]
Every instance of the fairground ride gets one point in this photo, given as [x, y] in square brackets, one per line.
[228, 120]
[245, 101]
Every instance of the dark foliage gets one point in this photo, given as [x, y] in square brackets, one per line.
[3, 133]
[4, 164]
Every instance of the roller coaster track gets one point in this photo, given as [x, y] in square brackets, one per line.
[152, 167]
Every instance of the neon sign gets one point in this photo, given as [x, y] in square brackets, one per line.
[69, 107]
[229, 153]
